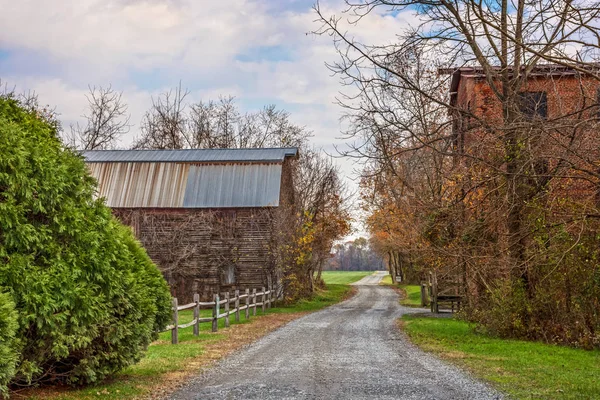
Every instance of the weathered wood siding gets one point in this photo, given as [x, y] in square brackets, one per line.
[195, 248]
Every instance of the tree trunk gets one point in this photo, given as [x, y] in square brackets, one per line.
[519, 192]
[392, 266]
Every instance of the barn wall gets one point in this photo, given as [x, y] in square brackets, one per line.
[197, 248]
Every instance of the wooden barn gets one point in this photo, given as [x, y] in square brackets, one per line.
[207, 217]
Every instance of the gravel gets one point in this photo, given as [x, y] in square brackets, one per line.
[352, 350]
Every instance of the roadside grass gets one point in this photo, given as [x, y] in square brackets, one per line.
[411, 294]
[524, 370]
[344, 277]
[166, 366]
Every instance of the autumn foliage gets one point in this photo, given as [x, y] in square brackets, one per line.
[478, 133]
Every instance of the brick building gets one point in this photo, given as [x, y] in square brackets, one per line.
[559, 109]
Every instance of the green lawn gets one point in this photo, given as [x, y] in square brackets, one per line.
[343, 277]
[163, 358]
[524, 370]
[411, 293]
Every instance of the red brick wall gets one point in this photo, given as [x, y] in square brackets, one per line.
[570, 102]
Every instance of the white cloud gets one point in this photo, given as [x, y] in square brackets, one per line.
[143, 47]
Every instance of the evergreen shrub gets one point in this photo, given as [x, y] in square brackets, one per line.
[87, 297]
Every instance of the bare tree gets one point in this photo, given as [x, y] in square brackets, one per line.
[495, 204]
[174, 123]
[106, 121]
[164, 125]
[220, 124]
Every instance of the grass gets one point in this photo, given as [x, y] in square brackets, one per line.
[165, 365]
[411, 294]
[343, 277]
[524, 370]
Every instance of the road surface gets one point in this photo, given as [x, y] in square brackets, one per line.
[352, 350]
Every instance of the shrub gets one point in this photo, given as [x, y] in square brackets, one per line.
[88, 298]
[8, 341]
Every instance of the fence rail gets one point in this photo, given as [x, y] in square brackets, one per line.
[250, 303]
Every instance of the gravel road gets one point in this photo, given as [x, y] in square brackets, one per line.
[352, 350]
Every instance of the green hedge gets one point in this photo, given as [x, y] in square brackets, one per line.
[88, 298]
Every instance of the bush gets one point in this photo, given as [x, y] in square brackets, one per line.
[8, 341]
[88, 298]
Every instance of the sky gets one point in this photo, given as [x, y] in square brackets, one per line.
[259, 51]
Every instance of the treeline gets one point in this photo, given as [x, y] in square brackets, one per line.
[498, 193]
[354, 255]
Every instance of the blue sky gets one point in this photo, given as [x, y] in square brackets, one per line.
[255, 50]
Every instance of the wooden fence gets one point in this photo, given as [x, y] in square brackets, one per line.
[248, 298]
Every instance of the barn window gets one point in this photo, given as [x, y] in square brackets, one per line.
[228, 275]
[533, 104]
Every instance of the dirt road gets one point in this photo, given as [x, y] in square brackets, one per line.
[349, 351]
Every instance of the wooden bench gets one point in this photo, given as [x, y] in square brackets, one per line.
[433, 295]
[449, 298]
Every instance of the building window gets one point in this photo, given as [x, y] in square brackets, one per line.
[533, 104]
[228, 275]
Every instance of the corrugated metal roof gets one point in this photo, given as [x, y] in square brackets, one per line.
[193, 155]
[181, 185]
[233, 185]
[133, 185]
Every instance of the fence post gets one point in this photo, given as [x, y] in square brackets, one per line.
[430, 289]
[271, 297]
[253, 302]
[196, 314]
[264, 296]
[215, 321]
[247, 303]
[175, 330]
[227, 309]
[434, 291]
[237, 305]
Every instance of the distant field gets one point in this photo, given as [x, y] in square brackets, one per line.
[343, 277]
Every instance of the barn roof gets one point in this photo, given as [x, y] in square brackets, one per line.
[191, 155]
[219, 178]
